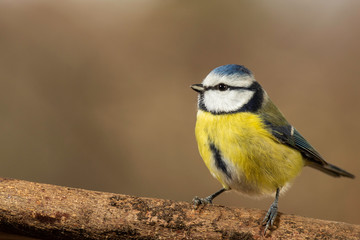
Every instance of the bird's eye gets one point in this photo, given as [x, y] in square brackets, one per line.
[222, 87]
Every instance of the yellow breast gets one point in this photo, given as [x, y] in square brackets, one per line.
[253, 161]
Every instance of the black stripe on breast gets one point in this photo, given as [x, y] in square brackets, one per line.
[219, 162]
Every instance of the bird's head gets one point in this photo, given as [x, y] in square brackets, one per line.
[229, 89]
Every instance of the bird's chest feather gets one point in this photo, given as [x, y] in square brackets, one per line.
[239, 150]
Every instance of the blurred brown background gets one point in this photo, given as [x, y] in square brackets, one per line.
[95, 94]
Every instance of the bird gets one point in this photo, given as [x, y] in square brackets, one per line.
[246, 142]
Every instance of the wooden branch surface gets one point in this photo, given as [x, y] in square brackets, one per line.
[54, 212]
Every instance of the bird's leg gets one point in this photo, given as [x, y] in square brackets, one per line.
[198, 201]
[272, 212]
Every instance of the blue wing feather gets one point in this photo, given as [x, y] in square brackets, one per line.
[290, 136]
[307, 149]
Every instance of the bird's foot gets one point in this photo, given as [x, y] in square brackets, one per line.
[208, 200]
[270, 217]
[201, 201]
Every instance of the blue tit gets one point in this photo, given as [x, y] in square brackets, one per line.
[246, 142]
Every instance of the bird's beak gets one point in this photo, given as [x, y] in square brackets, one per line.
[198, 87]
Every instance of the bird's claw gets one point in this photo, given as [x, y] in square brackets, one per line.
[201, 201]
[270, 217]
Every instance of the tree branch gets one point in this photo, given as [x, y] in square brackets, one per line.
[54, 212]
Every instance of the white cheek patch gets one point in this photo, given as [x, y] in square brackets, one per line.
[227, 101]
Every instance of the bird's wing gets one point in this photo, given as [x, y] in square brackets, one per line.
[290, 136]
[286, 134]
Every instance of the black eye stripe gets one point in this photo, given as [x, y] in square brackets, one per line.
[228, 87]
[251, 87]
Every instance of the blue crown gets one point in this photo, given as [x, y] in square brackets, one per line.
[231, 69]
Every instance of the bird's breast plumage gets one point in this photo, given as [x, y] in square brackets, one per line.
[243, 155]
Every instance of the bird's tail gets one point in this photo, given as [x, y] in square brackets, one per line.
[331, 170]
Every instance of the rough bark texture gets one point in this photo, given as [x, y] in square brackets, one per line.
[53, 212]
